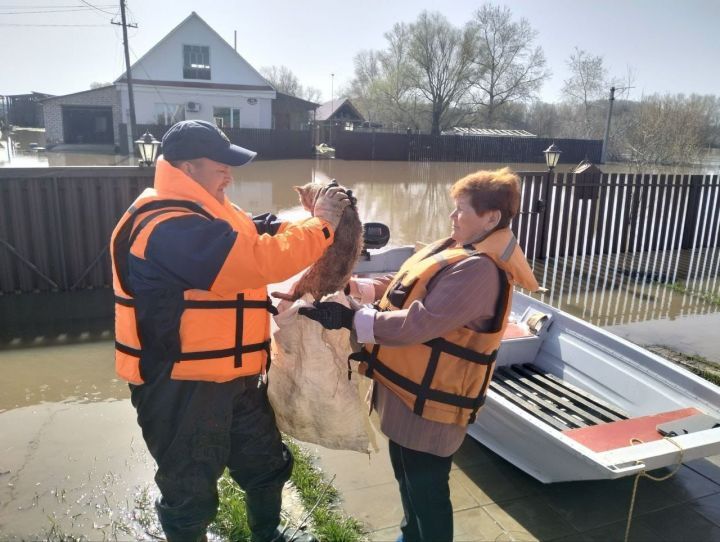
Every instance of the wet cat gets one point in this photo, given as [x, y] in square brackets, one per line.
[332, 271]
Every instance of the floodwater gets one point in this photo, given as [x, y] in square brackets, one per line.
[72, 460]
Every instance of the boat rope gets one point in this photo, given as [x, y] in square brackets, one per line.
[644, 473]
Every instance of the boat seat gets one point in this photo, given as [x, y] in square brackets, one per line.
[516, 331]
[619, 434]
[548, 397]
[520, 344]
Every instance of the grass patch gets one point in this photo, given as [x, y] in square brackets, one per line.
[713, 299]
[318, 497]
[699, 365]
[231, 520]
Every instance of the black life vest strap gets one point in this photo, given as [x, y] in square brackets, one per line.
[423, 391]
[207, 354]
[211, 304]
[460, 401]
[443, 345]
[480, 401]
[422, 395]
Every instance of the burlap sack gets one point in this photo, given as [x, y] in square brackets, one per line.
[308, 383]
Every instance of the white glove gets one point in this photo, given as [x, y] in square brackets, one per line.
[330, 204]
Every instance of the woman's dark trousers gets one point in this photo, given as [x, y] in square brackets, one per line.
[424, 481]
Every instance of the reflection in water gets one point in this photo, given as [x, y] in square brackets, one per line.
[615, 289]
[71, 373]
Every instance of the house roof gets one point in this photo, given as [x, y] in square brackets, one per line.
[76, 93]
[193, 16]
[328, 109]
[487, 132]
[33, 94]
[298, 101]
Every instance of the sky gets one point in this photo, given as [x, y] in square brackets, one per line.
[671, 46]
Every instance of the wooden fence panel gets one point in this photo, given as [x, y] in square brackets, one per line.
[56, 225]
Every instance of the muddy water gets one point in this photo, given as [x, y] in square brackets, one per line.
[72, 459]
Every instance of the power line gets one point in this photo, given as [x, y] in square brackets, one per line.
[74, 25]
[97, 8]
[85, 9]
[51, 6]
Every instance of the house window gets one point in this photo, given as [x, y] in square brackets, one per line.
[167, 114]
[196, 62]
[227, 117]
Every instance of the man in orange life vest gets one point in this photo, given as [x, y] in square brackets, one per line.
[431, 340]
[190, 271]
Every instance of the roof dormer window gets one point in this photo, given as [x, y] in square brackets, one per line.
[196, 62]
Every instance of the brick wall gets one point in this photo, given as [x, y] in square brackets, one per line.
[52, 111]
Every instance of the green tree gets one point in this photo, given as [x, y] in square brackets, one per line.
[442, 55]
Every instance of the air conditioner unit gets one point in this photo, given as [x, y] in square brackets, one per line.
[192, 107]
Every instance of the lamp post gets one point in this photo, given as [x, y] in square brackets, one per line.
[148, 147]
[552, 155]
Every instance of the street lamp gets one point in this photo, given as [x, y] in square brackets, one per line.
[148, 147]
[552, 155]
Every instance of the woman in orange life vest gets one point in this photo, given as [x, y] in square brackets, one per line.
[190, 271]
[431, 340]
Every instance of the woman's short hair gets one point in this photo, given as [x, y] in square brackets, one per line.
[490, 190]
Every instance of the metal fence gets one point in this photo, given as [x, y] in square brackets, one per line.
[567, 214]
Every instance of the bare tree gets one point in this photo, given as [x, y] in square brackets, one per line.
[509, 68]
[587, 83]
[312, 94]
[666, 129]
[283, 79]
[442, 54]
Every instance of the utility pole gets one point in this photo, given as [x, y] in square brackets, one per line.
[132, 125]
[332, 105]
[606, 139]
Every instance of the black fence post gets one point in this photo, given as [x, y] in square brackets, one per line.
[542, 206]
[692, 211]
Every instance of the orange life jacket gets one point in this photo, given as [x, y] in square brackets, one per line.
[446, 379]
[224, 332]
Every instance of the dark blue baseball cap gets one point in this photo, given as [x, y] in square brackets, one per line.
[190, 139]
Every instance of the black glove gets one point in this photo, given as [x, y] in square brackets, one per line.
[329, 314]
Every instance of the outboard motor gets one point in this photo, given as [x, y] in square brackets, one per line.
[375, 235]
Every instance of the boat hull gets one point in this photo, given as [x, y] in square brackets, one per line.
[598, 366]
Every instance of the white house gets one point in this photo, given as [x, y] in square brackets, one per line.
[193, 73]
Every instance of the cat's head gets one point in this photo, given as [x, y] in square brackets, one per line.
[308, 194]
